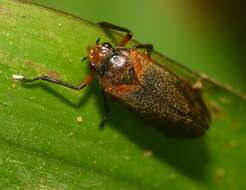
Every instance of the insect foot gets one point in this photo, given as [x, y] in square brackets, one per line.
[18, 77]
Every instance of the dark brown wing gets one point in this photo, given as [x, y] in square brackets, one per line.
[167, 102]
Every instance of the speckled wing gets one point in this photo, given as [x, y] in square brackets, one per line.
[166, 102]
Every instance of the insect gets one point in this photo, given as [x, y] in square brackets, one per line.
[129, 75]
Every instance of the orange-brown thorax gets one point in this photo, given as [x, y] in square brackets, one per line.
[112, 66]
[117, 65]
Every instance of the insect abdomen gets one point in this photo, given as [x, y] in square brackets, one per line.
[167, 103]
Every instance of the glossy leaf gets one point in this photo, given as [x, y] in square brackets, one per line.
[49, 135]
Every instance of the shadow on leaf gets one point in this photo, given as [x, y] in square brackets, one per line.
[190, 157]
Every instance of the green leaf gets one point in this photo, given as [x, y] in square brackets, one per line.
[49, 135]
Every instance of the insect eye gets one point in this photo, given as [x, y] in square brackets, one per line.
[107, 45]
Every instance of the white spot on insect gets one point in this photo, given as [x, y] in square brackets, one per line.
[198, 85]
[118, 61]
[17, 77]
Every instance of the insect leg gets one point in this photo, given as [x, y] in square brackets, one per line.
[106, 110]
[147, 47]
[84, 58]
[198, 84]
[56, 81]
[124, 40]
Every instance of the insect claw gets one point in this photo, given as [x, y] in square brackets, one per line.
[84, 58]
[18, 77]
[102, 123]
[98, 40]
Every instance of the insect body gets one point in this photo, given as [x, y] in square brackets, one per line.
[132, 77]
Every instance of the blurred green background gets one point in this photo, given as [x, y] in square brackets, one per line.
[42, 148]
[206, 36]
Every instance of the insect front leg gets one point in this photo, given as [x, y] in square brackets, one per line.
[106, 110]
[124, 40]
[55, 81]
